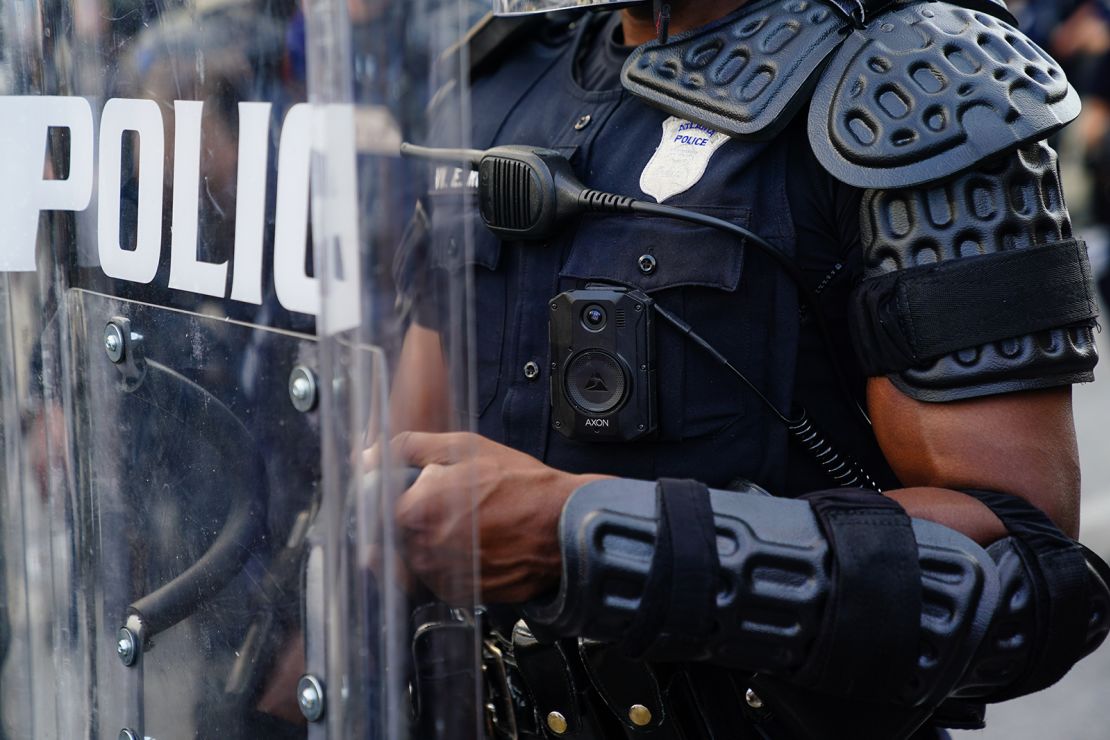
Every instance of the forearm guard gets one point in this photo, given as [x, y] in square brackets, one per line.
[843, 594]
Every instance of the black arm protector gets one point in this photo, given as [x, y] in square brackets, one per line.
[976, 285]
[843, 595]
[1053, 611]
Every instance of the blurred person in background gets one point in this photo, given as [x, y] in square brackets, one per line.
[1078, 33]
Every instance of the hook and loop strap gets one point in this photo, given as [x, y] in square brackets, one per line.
[905, 318]
[679, 597]
[869, 638]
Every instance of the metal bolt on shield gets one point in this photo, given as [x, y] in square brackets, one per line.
[310, 697]
[127, 646]
[303, 389]
[113, 343]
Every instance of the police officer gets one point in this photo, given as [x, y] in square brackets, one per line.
[893, 153]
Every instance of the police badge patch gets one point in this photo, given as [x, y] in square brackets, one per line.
[681, 159]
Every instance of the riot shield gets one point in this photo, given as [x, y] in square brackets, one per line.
[211, 250]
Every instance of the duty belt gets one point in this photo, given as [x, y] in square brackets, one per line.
[578, 689]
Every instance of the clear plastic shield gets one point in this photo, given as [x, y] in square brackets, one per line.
[203, 328]
[527, 7]
[405, 644]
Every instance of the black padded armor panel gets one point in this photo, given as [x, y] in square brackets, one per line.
[930, 89]
[746, 75]
[1011, 643]
[1013, 202]
[917, 92]
[1054, 607]
[774, 583]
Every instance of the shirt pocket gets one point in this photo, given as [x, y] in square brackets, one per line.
[692, 271]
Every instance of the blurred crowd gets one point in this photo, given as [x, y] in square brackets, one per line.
[1077, 32]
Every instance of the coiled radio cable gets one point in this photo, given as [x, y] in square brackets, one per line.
[842, 469]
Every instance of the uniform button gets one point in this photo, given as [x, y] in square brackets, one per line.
[583, 122]
[557, 723]
[531, 370]
[640, 715]
[647, 264]
[753, 699]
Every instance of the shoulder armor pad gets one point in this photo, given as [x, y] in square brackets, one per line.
[917, 92]
[929, 90]
[746, 75]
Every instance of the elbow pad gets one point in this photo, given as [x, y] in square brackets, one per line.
[843, 594]
[1054, 610]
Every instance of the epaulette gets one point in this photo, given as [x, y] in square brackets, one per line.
[901, 92]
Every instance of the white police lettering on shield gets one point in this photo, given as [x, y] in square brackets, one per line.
[25, 192]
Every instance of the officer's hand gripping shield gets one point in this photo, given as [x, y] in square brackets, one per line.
[209, 347]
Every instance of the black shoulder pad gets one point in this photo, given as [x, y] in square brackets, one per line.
[746, 75]
[1010, 206]
[929, 90]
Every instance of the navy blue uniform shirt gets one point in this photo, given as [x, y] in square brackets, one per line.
[562, 91]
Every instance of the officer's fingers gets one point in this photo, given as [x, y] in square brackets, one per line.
[420, 449]
[431, 517]
[437, 537]
[405, 447]
[420, 508]
[372, 457]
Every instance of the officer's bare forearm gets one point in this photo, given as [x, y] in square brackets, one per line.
[419, 397]
[1020, 443]
[954, 510]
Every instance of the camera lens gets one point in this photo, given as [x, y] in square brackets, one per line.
[594, 317]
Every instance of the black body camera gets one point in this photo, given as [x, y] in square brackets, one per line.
[603, 364]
